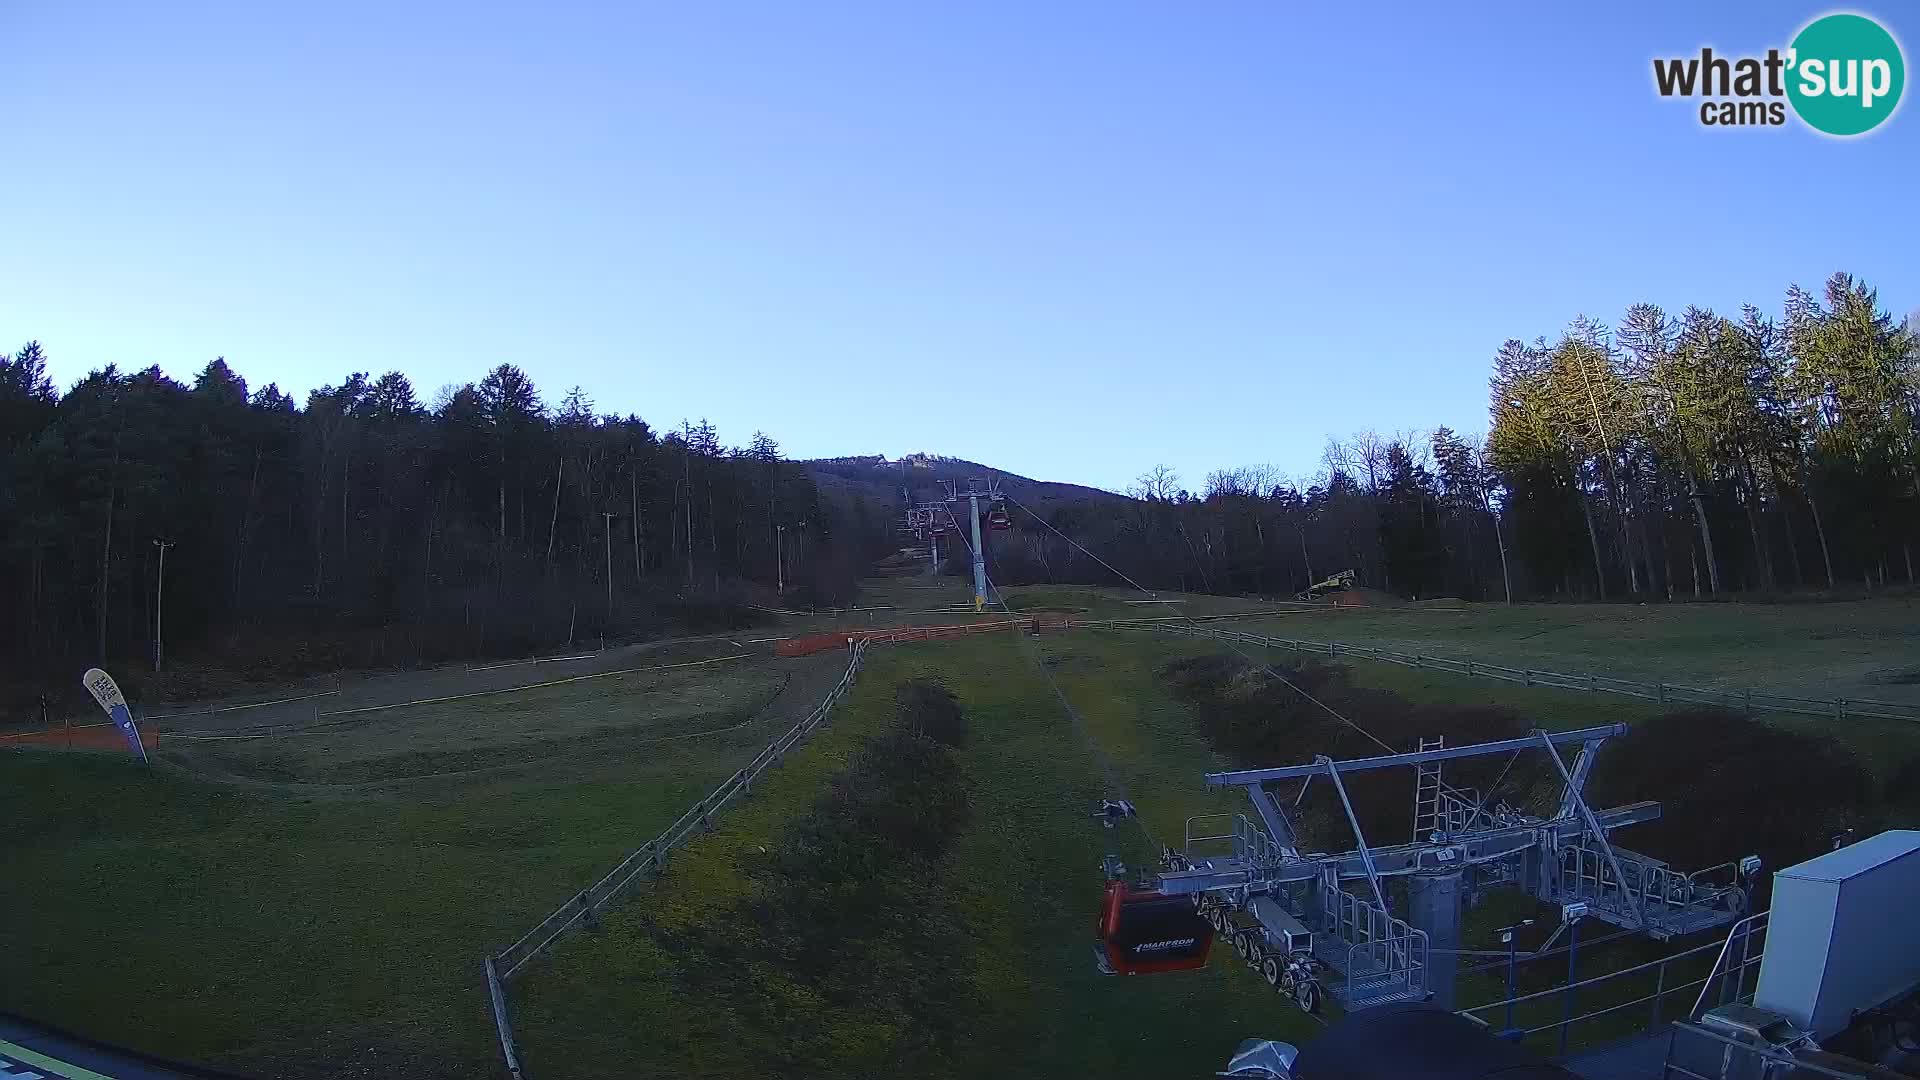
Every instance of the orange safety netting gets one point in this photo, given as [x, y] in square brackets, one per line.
[81, 737]
[808, 644]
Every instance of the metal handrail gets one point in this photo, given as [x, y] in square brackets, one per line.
[1661, 993]
[1258, 848]
[1382, 937]
[583, 905]
[503, 1028]
[1744, 931]
[1656, 995]
[1359, 835]
[1230, 834]
[1761, 1052]
[1663, 893]
[1591, 981]
[1593, 826]
[650, 857]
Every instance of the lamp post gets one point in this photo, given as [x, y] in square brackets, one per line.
[1507, 939]
[159, 585]
[779, 560]
[609, 519]
[1571, 914]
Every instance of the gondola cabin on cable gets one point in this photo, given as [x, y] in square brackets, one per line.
[1145, 931]
[997, 518]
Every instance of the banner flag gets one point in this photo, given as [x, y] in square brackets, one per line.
[107, 693]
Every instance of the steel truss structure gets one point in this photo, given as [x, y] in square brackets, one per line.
[1249, 876]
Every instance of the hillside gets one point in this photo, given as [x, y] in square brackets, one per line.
[882, 481]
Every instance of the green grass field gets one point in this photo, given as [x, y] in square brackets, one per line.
[1029, 865]
[300, 926]
[1882, 745]
[1856, 649]
[547, 728]
[924, 601]
[288, 937]
[1028, 868]
[321, 909]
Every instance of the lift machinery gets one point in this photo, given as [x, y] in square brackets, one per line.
[1293, 914]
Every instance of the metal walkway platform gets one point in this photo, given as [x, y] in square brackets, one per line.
[31, 1052]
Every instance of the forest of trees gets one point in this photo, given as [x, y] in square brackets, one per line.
[1696, 455]
[365, 528]
[1668, 456]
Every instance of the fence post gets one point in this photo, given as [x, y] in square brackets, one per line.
[501, 1025]
[1660, 692]
[1469, 667]
[655, 850]
[1749, 701]
[1591, 688]
[1526, 676]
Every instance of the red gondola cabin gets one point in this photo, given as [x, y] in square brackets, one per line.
[1143, 931]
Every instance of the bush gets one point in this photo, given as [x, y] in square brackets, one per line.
[1900, 799]
[1730, 786]
[1258, 721]
[930, 709]
[851, 955]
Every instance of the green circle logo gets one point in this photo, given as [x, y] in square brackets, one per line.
[1845, 74]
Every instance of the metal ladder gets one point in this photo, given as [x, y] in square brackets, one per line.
[1427, 816]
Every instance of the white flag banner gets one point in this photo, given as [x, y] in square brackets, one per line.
[114, 703]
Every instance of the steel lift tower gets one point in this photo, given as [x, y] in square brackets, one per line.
[926, 522]
[978, 489]
[1248, 879]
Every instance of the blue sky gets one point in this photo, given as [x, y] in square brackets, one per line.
[1068, 239]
